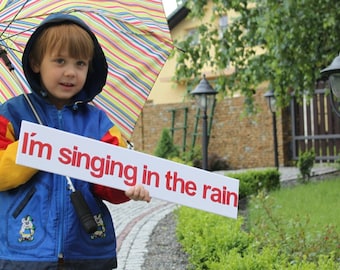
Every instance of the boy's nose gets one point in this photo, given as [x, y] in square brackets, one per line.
[69, 71]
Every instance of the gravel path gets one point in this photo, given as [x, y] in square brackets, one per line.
[164, 252]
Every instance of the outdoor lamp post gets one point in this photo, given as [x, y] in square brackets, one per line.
[269, 95]
[332, 73]
[204, 95]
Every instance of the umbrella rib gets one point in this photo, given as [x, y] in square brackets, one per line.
[28, 100]
[13, 18]
[136, 52]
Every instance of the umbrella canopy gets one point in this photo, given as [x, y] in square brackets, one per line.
[134, 35]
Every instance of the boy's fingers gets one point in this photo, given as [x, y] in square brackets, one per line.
[138, 193]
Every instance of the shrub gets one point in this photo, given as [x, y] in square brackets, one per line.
[208, 237]
[214, 242]
[295, 236]
[272, 241]
[305, 164]
[181, 161]
[252, 181]
[165, 146]
[193, 155]
[215, 162]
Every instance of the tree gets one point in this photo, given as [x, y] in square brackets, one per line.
[165, 146]
[297, 38]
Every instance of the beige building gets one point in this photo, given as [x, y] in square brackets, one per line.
[244, 141]
[165, 90]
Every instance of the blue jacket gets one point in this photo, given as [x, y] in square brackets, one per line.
[39, 223]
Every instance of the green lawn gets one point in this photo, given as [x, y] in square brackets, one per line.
[317, 203]
[303, 221]
[295, 228]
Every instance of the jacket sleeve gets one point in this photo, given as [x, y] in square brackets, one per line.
[12, 175]
[112, 195]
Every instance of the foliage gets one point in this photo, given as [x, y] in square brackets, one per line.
[207, 237]
[215, 162]
[318, 202]
[253, 181]
[194, 155]
[305, 164]
[165, 146]
[167, 149]
[285, 43]
[273, 241]
[181, 161]
[301, 220]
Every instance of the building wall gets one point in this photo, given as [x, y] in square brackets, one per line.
[245, 142]
[167, 91]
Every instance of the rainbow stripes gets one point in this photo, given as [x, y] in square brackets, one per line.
[134, 35]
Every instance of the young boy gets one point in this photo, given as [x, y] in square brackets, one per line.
[66, 68]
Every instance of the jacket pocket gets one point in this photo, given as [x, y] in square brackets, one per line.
[101, 243]
[27, 218]
[24, 202]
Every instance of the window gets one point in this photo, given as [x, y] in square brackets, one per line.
[223, 24]
[193, 34]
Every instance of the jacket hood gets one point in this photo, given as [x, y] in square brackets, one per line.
[96, 78]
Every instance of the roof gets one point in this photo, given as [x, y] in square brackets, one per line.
[177, 16]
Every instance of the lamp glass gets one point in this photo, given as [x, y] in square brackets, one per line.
[210, 101]
[334, 81]
[203, 101]
[272, 104]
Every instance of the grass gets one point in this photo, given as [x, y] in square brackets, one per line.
[316, 202]
[292, 228]
[303, 221]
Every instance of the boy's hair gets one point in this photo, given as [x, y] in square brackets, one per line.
[71, 37]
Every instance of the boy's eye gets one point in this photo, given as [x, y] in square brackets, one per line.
[60, 60]
[82, 63]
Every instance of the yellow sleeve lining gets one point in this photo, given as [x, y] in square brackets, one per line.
[11, 174]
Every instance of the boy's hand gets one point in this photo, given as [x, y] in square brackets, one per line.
[138, 193]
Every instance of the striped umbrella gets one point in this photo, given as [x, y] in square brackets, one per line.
[133, 34]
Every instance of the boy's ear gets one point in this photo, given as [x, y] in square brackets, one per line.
[34, 66]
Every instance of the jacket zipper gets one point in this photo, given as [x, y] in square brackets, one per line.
[24, 202]
[62, 191]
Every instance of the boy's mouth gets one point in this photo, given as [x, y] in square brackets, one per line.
[67, 84]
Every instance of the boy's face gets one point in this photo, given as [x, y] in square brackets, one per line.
[62, 76]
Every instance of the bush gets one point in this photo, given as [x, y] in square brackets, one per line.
[165, 147]
[253, 181]
[214, 242]
[274, 225]
[272, 240]
[193, 155]
[215, 162]
[208, 237]
[181, 161]
[305, 164]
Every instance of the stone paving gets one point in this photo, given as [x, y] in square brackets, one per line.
[135, 221]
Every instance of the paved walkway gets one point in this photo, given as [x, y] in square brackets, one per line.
[135, 221]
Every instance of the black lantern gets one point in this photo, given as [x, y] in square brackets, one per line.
[269, 95]
[332, 73]
[205, 96]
